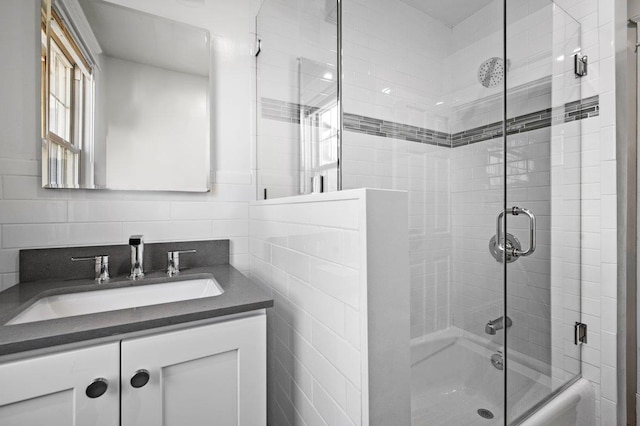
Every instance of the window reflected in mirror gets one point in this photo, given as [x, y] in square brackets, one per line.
[68, 93]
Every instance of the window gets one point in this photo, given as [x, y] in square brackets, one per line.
[320, 141]
[67, 93]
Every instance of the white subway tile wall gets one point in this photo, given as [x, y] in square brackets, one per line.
[393, 64]
[598, 252]
[341, 301]
[309, 257]
[394, 71]
[424, 171]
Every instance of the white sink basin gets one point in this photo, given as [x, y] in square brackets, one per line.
[111, 299]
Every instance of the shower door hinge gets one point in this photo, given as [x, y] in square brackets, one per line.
[580, 64]
[580, 333]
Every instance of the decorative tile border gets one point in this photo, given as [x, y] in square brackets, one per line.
[571, 111]
[390, 129]
[275, 109]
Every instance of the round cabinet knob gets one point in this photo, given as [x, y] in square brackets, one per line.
[97, 388]
[140, 379]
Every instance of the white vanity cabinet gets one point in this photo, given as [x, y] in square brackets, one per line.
[52, 389]
[209, 375]
[212, 374]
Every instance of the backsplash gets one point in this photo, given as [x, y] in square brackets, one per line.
[55, 263]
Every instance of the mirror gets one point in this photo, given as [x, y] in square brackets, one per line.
[125, 99]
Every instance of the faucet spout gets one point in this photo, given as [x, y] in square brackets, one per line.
[497, 324]
[137, 257]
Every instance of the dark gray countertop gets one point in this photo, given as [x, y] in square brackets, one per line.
[240, 295]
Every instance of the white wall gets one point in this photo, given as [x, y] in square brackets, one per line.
[599, 248]
[393, 64]
[394, 70]
[33, 217]
[424, 171]
[157, 127]
[338, 345]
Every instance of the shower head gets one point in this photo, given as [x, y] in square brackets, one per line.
[491, 72]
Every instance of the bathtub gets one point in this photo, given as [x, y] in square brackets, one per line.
[453, 382]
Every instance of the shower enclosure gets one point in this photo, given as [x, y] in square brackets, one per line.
[476, 111]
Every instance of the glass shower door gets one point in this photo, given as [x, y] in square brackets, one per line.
[544, 109]
[297, 98]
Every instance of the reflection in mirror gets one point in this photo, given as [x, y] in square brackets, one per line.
[319, 127]
[125, 99]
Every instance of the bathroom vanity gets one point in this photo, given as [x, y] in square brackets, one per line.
[195, 361]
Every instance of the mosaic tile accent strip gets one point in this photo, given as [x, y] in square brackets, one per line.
[572, 111]
[275, 109]
[390, 129]
[290, 112]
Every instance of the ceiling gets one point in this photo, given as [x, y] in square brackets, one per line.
[449, 12]
[139, 37]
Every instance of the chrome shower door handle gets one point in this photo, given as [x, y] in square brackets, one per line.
[532, 230]
[499, 238]
[506, 246]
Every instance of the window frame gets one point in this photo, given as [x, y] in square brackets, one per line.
[62, 153]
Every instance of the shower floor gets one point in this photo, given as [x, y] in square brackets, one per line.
[453, 378]
[447, 406]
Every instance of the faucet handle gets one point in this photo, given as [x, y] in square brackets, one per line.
[173, 261]
[101, 266]
[136, 240]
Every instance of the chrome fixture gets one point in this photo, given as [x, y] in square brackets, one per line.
[580, 333]
[491, 72]
[173, 261]
[137, 255]
[513, 245]
[510, 245]
[101, 267]
[580, 65]
[317, 184]
[498, 360]
[497, 324]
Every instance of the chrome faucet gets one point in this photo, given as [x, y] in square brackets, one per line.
[497, 324]
[173, 261]
[137, 256]
[101, 267]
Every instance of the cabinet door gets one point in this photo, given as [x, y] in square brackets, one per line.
[209, 375]
[52, 389]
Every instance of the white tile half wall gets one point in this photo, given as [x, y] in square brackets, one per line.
[337, 267]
